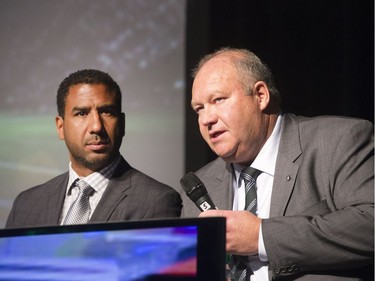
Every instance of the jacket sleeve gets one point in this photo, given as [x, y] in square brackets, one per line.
[337, 231]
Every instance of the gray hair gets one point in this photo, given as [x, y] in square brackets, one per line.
[249, 67]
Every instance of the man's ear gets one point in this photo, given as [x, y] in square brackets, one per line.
[260, 89]
[122, 123]
[60, 127]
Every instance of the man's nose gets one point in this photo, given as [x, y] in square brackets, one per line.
[96, 122]
[208, 116]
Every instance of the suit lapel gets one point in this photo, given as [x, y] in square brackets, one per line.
[55, 200]
[115, 193]
[286, 166]
[226, 179]
[218, 181]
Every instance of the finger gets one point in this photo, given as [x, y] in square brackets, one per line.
[211, 213]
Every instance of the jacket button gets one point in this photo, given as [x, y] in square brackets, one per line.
[293, 268]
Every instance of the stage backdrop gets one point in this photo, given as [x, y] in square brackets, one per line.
[139, 43]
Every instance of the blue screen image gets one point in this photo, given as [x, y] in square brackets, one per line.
[119, 255]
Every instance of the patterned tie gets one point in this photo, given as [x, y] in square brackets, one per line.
[250, 176]
[79, 211]
[239, 266]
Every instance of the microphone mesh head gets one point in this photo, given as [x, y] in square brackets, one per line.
[189, 181]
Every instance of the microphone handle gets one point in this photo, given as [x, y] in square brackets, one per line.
[205, 203]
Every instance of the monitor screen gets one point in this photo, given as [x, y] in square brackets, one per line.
[171, 249]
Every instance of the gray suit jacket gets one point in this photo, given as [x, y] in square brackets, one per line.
[321, 224]
[130, 195]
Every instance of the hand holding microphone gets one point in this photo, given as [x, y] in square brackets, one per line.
[242, 226]
[197, 192]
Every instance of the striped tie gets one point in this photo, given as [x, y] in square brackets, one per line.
[240, 269]
[79, 211]
[250, 175]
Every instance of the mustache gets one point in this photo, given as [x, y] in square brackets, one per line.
[96, 139]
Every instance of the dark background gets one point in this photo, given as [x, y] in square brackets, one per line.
[321, 53]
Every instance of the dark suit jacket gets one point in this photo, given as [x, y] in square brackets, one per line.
[321, 224]
[130, 195]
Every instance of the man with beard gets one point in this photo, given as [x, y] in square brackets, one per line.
[92, 124]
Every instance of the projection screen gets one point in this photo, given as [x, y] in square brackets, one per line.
[140, 43]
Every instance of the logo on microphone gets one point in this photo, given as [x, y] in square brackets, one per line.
[205, 206]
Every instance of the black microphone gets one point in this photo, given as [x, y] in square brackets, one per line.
[197, 192]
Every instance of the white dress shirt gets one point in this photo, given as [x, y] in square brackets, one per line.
[97, 180]
[265, 162]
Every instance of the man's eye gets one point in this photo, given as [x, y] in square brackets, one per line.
[198, 109]
[81, 113]
[218, 100]
[108, 113]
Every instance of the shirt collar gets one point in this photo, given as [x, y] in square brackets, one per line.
[97, 180]
[266, 158]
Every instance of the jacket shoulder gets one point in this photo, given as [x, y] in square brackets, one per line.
[54, 182]
[216, 168]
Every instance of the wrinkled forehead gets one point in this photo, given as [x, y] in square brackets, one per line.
[213, 73]
[218, 66]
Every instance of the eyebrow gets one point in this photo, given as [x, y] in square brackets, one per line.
[104, 106]
[109, 106]
[80, 108]
[192, 104]
[113, 107]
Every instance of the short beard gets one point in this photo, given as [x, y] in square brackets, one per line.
[92, 163]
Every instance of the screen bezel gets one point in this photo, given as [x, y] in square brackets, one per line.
[211, 238]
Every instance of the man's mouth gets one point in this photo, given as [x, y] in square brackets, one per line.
[97, 145]
[215, 135]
